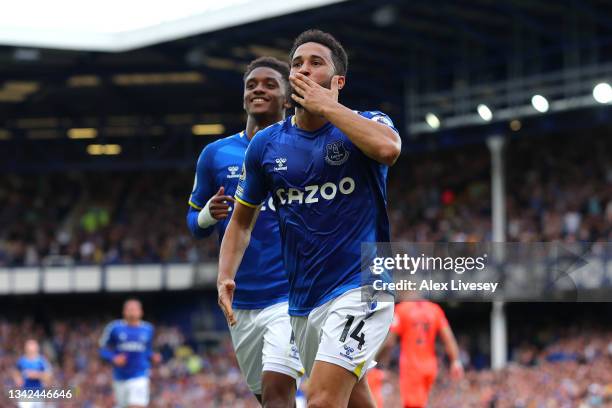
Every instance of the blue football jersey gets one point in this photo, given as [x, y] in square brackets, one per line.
[330, 199]
[261, 280]
[38, 364]
[136, 342]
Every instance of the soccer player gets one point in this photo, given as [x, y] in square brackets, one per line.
[262, 338]
[326, 168]
[128, 345]
[32, 372]
[376, 378]
[417, 323]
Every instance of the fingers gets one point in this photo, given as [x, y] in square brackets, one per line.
[298, 83]
[221, 199]
[226, 291]
[305, 79]
[221, 215]
[298, 99]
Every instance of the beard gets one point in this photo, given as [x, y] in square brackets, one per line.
[294, 104]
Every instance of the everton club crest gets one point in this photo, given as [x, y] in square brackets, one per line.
[336, 154]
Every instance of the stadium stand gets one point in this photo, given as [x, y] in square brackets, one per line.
[556, 191]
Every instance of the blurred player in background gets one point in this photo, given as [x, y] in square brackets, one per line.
[262, 338]
[376, 379]
[417, 323]
[326, 168]
[32, 372]
[128, 345]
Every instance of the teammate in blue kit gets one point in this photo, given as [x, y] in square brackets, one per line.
[262, 339]
[128, 345]
[32, 372]
[326, 169]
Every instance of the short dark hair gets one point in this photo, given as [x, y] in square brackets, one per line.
[338, 53]
[269, 62]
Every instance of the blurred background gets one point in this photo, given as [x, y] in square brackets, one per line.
[504, 112]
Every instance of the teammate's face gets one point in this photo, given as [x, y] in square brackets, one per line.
[265, 92]
[132, 310]
[31, 347]
[314, 61]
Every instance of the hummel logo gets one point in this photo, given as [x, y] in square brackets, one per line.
[233, 172]
[281, 163]
[347, 352]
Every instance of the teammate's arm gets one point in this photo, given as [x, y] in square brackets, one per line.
[17, 378]
[46, 373]
[107, 344]
[234, 244]
[452, 350]
[376, 140]
[206, 209]
[384, 354]
[152, 355]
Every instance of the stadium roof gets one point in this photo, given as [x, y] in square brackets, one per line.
[396, 48]
[118, 25]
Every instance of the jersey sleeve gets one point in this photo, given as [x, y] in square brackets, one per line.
[252, 189]
[149, 351]
[107, 343]
[396, 325]
[46, 367]
[379, 117]
[203, 183]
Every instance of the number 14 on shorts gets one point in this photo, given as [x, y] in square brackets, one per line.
[356, 334]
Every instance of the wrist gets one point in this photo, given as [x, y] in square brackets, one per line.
[223, 280]
[205, 218]
[328, 109]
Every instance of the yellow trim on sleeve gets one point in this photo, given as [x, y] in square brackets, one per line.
[241, 201]
[194, 206]
[357, 371]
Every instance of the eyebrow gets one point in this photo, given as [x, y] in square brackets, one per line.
[265, 79]
[312, 56]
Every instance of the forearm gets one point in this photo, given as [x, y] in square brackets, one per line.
[107, 354]
[376, 140]
[234, 244]
[384, 354]
[450, 344]
[17, 377]
[453, 352]
[193, 225]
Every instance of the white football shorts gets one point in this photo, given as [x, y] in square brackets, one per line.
[263, 341]
[345, 331]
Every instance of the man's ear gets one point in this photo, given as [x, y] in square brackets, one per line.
[341, 81]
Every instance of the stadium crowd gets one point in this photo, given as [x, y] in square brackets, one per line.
[573, 370]
[185, 378]
[559, 191]
[563, 368]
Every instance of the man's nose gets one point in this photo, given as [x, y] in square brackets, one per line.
[305, 69]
